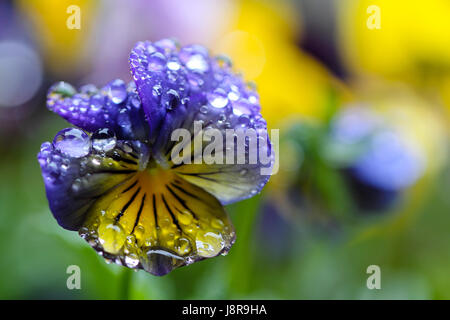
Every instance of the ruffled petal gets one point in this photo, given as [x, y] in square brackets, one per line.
[115, 106]
[78, 169]
[180, 88]
[158, 222]
[127, 207]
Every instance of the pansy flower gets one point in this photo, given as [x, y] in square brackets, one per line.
[113, 179]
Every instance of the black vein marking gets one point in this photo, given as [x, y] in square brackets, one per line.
[193, 135]
[231, 184]
[139, 212]
[131, 154]
[181, 201]
[205, 173]
[115, 171]
[198, 176]
[117, 157]
[184, 191]
[184, 163]
[130, 187]
[106, 191]
[155, 213]
[177, 165]
[125, 207]
[174, 219]
[173, 143]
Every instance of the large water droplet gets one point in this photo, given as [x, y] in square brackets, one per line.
[242, 107]
[209, 244]
[72, 142]
[167, 45]
[111, 236]
[156, 61]
[131, 260]
[63, 88]
[183, 246]
[170, 99]
[224, 61]
[156, 90]
[218, 98]
[104, 140]
[198, 63]
[117, 91]
[89, 89]
[204, 109]
[173, 65]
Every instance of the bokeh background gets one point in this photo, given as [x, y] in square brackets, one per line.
[363, 111]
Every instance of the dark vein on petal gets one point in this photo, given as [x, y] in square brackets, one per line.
[115, 171]
[174, 219]
[184, 191]
[138, 216]
[155, 213]
[181, 201]
[130, 187]
[119, 158]
[125, 207]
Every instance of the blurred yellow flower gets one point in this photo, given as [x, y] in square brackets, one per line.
[411, 45]
[262, 45]
[411, 39]
[63, 48]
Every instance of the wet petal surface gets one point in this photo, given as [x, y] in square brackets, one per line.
[182, 87]
[115, 106]
[158, 222]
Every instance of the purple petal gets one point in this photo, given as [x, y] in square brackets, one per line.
[178, 87]
[76, 174]
[114, 106]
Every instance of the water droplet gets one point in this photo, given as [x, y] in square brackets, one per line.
[223, 61]
[72, 142]
[183, 246]
[123, 119]
[217, 223]
[104, 140]
[253, 98]
[117, 91]
[243, 120]
[64, 89]
[170, 99]
[195, 79]
[243, 172]
[197, 63]
[157, 90]
[111, 236]
[241, 107]
[88, 89]
[173, 65]
[218, 99]
[131, 260]
[96, 102]
[233, 96]
[204, 109]
[189, 260]
[209, 244]
[156, 61]
[167, 45]
[185, 217]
